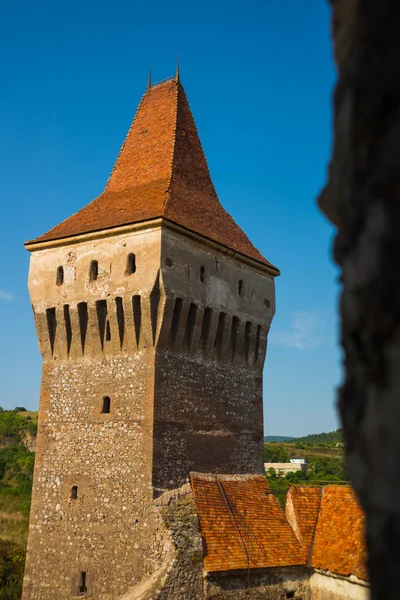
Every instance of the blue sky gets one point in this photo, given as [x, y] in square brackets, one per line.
[259, 77]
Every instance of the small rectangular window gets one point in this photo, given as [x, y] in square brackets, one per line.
[74, 492]
[106, 405]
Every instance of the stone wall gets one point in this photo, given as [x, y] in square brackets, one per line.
[210, 354]
[129, 397]
[109, 530]
[272, 584]
[362, 199]
[327, 586]
[92, 523]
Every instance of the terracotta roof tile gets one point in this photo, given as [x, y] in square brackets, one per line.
[242, 524]
[302, 510]
[339, 544]
[161, 171]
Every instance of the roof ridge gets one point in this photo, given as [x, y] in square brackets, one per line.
[168, 190]
[125, 140]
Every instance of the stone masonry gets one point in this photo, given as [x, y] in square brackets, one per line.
[153, 337]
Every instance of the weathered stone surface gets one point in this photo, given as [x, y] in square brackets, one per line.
[177, 348]
[274, 584]
[362, 199]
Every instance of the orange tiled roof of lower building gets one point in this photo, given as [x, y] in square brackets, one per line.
[161, 171]
[302, 510]
[242, 524]
[339, 545]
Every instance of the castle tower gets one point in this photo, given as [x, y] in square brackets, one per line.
[152, 310]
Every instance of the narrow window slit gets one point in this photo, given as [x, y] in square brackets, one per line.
[258, 341]
[130, 264]
[137, 316]
[202, 274]
[101, 309]
[176, 319]
[154, 302]
[83, 322]
[190, 324]
[82, 583]
[119, 306]
[247, 340]
[60, 276]
[68, 327]
[106, 405]
[234, 335]
[108, 331]
[205, 328]
[51, 326]
[219, 337]
[94, 270]
[241, 288]
[74, 492]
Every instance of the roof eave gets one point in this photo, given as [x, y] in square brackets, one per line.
[37, 244]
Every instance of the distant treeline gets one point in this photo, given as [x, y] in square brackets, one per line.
[321, 439]
[314, 439]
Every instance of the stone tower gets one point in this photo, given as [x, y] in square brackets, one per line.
[152, 310]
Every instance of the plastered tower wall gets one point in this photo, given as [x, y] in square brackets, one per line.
[208, 412]
[97, 340]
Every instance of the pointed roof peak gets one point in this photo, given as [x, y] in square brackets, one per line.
[161, 171]
[177, 69]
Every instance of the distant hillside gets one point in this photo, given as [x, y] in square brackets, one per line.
[321, 439]
[17, 440]
[278, 438]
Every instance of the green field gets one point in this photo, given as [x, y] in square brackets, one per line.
[325, 465]
[17, 435]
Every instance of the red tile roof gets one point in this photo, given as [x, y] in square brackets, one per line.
[339, 544]
[161, 171]
[302, 509]
[242, 524]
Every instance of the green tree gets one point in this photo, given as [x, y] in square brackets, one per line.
[275, 453]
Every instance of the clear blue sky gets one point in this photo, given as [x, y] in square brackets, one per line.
[259, 77]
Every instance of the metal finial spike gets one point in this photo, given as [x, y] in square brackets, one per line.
[149, 80]
[177, 69]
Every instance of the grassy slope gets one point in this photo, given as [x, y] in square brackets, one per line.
[324, 465]
[16, 470]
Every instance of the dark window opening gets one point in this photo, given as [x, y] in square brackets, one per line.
[74, 492]
[130, 264]
[82, 583]
[267, 303]
[94, 270]
[258, 342]
[106, 405]
[108, 331]
[241, 288]
[220, 334]
[51, 326]
[234, 335]
[247, 340]
[60, 276]
[168, 262]
[175, 320]
[289, 594]
[202, 274]
[205, 328]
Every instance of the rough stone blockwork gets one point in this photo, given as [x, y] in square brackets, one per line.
[362, 199]
[152, 311]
